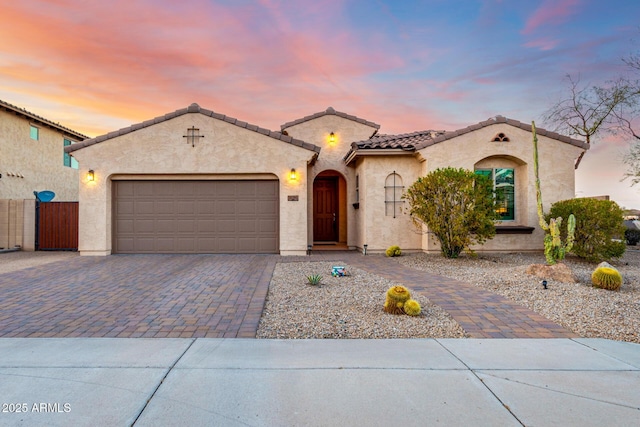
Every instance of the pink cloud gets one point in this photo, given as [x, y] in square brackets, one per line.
[134, 61]
[544, 43]
[550, 12]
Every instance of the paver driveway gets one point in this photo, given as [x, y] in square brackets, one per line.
[137, 296]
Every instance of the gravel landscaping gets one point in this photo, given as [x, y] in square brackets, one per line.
[343, 307]
[589, 312]
[351, 307]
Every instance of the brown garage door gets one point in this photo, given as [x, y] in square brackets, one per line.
[195, 217]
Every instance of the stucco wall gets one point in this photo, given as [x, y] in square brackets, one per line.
[476, 149]
[346, 131]
[160, 152]
[35, 165]
[377, 229]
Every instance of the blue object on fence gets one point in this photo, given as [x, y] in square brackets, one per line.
[44, 196]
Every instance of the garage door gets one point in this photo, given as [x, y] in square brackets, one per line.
[195, 217]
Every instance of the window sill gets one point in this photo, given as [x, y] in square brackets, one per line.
[514, 229]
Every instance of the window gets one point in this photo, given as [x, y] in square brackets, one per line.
[393, 194]
[504, 188]
[69, 161]
[34, 132]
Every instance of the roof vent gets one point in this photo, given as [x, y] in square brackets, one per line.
[330, 110]
[501, 137]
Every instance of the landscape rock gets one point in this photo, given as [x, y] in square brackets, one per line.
[559, 272]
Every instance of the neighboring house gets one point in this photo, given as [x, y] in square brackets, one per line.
[195, 181]
[32, 156]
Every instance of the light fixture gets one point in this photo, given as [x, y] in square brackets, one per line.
[309, 247]
[293, 175]
[91, 175]
[544, 284]
[332, 138]
[364, 249]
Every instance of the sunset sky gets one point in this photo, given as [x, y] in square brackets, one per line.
[97, 66]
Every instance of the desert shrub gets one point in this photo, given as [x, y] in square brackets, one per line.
[598, 222]
[606, 278]
[456, 205]
[632, 236]
[314, 279]
[394, 251]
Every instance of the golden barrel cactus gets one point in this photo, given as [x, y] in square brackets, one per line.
[412, 307]
[396, 297]
[606, 278]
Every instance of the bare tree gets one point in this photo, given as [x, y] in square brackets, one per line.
[589, 110]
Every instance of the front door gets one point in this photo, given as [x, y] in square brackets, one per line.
[325, 209]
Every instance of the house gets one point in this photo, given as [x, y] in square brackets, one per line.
[32, 156]
[195, 181]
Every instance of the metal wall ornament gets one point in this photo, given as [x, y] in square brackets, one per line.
[192, 135]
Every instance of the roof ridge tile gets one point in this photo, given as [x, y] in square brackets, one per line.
[330, 111]
[193, 108]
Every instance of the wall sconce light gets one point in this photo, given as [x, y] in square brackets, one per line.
[332, 138]
[293, 175]
[91, 176]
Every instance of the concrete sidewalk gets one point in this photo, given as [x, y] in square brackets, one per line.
[249, 382]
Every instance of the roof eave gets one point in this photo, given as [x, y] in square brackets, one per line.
[353, 153]
[42, 121]
[194, 109]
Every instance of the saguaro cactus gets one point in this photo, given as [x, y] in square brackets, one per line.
[554, 249]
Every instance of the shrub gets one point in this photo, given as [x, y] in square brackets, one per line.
[632, 236]
[606, 278]
[456, 205]
[314, 279]
[598, 222]
[394, 251]
[396, 297]
[412, 307]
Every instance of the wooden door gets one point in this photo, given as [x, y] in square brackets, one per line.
[325, 209]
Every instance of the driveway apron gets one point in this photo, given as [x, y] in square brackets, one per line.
[186, 296]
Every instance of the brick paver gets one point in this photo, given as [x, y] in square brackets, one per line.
[214, 296]
[482, 314]
[137, 296]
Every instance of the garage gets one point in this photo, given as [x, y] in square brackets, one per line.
[195, 216]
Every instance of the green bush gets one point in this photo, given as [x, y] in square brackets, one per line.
[456, 205]
[598, 222]
[632, 236]
[394, 251]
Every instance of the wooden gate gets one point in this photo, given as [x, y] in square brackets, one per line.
[57, 226]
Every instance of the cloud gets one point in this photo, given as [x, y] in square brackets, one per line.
[130, 59]
[551, 12]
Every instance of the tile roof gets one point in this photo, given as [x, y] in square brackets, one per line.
[330, 111]
[419, 140]
[515, 123]
[41, 120]
[194, 108]
[405, 141]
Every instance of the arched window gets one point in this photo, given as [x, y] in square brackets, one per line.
[393, 190]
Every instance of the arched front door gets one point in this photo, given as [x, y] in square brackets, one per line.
[325, 209]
